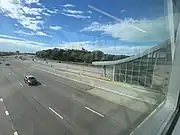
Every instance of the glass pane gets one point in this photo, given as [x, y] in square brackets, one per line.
[102, 66]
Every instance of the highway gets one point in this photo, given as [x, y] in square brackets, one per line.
[57, 106]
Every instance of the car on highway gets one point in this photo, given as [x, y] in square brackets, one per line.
[7, 64]
[30, 80]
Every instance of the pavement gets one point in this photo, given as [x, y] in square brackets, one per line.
[59, 105]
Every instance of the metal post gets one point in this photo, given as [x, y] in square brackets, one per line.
[132, 73]
[119, 75]
[167, 49]
[153, 63]
[113, 79]
[172, 25]
[139, 70]
[104, 67]
[125, 72]
[145, 81]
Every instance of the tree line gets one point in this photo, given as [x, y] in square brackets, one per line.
[74, 55]
[14, 53]
[6, 53]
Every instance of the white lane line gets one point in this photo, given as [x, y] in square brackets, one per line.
[94, 111]
[21, 84]
[56, 113]
[1, 99]
[44, 85]
[15, 133]
[6, 112]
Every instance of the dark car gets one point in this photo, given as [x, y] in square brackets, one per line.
[30, 80]
[7, 64]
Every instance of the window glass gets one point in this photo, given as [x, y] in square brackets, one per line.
[102, 66]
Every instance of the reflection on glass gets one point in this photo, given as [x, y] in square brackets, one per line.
[150, 70]
[119, 53]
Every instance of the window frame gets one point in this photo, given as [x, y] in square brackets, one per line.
[160, 120]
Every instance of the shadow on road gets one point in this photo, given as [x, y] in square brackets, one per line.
[37, 84]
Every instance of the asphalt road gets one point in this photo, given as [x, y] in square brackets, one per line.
[57, 106]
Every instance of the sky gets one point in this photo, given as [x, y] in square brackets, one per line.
[112, 26]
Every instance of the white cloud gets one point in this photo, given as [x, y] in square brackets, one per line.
[39, 4]
[46, 14]
[11, 37]
[75, 45]
[68, 5]
[94, 23]
[22, 45]
[124, 49]
[75, 16]
[32, 46]
[55, 27]
[73, 11]
[52, 11]
[32, 1]
[156, 29]
[36, 43]
[31, 23]
[29, 18]
[122, 11]
[32, 11]
[24, 33]
[17, 10]
[40, 33]
[38, 17]
[108, 49]
[90, 12]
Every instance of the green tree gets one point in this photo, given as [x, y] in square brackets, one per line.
[97, 55]
[77, 55]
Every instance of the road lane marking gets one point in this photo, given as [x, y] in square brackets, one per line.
[94, 111]
[21, 84]
[15, 133]
[56, 113]
[6, 112]
[44, 85]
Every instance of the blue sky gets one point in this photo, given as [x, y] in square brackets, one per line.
[112, 26]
